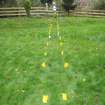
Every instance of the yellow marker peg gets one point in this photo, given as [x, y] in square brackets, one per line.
[62, 52]
[61, 43]
[84, 80]
[66, 65]
[60, 37]
[45, 99]
[58, 34]
[64, 97]
[50, 28]
[43, 65]
[45, 54]
[47, 44]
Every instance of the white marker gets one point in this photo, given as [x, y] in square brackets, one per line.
[49, 37]
[54, 6]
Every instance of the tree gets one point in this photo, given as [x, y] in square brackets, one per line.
[68, 5]
[27, 6]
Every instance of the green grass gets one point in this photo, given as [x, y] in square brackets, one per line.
[22, 47]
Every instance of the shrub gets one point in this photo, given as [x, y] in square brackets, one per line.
[48, 1]
[68, 5]
[27, 6]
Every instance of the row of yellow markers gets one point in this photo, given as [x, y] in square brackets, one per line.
[45, 98]
[64, 96]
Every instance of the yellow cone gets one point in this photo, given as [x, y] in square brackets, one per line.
[66, 65]
[64, 97]
[60, 37]
[47, 44]
[45, 54]
[45, 99]
[84, 80]
[61, 43]
[43, 65]
[62, 52]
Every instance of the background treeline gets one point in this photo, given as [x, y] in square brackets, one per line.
[93, 4]
[13, 3]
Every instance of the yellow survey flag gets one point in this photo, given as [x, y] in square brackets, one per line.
[43, 65]
[66, 65]
[64, 97]
[45, 99]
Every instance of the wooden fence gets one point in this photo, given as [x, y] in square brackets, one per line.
[89, 13]
[41, 11]
[20, 11]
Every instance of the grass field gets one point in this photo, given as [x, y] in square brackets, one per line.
[22, 46]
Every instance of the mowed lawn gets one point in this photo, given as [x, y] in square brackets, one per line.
[23, 49]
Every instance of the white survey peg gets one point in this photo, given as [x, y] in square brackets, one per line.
[54, 6]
